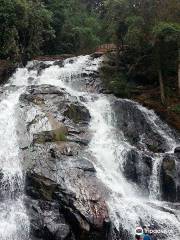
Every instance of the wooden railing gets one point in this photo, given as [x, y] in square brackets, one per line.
[109, 47]
[106, 47]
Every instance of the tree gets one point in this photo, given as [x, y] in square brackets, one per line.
[179, 70]
[165, 34]
[25, 26]
[77, 28]
[151, 32]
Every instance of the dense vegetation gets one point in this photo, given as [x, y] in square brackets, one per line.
[32, 27]
[146, 33]
[25, 26]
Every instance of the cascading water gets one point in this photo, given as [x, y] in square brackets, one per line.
[127, 206]
[107, 148]
[13, 219]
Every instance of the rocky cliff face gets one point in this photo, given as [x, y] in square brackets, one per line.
[64, 196]
[152, 139]
[137, 127]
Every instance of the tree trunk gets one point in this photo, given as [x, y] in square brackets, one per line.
[161, 83]
[179, 71]
[118, 54]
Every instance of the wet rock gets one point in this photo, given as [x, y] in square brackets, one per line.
[130, 168]
[56, 135]
[46, 221]
[77, 113]
[94, 74]
[84, 74]
[71, 61]
[65, 196]
[138, 169]
[136, 126]
[39, 66]
[59, 63]
[43, 90]
[79, 140]
[122, 234]
[57, 105]
[84, 165]
[170, 178]
[70, 149]
[70, 183]
[177, 150]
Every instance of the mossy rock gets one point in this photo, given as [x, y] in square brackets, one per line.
[56, 135]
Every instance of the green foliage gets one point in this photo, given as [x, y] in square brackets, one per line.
[169, 92]
[77, 29]
[167, 31]
[176, 108]
[150, 29]
[152, 32]
[115, 81]
[119, 85]
[31, 27]
[135, 36]
[25, 25]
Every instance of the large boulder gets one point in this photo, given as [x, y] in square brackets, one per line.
[177, 151]
[138, 169]
[137, 126]
[64, 196]
[77, 113]
[170, 178]
[46, 221]
[39, 66]
[59, 63]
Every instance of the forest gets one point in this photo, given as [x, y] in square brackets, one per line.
[145, 32]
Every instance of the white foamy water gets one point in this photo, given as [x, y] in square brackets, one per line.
[107, 149]
[159, 127]
[14, 224]
[154, 185]
[108, 146]
[127, 207]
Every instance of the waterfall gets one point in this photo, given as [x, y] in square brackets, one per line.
[128, 207]
[107, 149]
[13, 219]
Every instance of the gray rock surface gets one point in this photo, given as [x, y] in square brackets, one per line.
[170, 178]
[135, 126]
[64, 196]
[138, 169]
